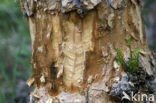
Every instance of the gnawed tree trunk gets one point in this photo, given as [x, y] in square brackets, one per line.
[74, 42]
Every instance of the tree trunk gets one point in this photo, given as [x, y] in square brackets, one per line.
[74, 44]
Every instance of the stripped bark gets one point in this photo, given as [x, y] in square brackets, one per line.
[74, 42]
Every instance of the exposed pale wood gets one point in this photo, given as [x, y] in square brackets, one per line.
[74, 54]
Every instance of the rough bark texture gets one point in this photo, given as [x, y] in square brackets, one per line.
[74, 42]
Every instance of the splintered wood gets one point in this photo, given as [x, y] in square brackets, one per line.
[73, 54]
[78, 42]
[63, 43]
[66, 43]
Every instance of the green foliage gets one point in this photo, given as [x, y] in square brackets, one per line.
[132, 64]
[120, 59]
[15, 49]
[3, 98]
